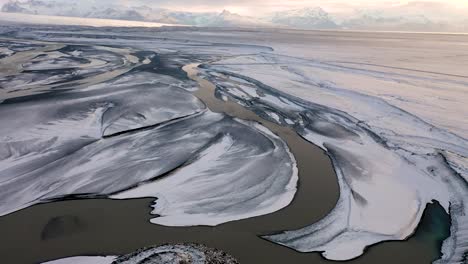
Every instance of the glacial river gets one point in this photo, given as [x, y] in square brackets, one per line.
[114, 227]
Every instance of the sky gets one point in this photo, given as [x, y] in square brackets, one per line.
[259, 7]
[255, 7]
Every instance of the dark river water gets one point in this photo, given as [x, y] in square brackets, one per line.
[115, 227]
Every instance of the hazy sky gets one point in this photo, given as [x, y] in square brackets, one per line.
[254, 7]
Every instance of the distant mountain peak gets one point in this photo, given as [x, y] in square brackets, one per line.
[410, 17]
[307, 11]
[229, 19]
[226, 12]
[304, 18]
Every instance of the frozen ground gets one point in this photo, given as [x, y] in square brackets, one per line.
[89, 133]
[386, 178]
[389, 109]
[397, 136]
[166, 254]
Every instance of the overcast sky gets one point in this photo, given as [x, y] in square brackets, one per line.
[255, 7]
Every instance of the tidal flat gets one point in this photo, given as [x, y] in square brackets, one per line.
[272, 146]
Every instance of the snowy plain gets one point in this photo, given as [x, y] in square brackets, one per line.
[388, 108]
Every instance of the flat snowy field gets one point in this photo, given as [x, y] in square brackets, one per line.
[94, 112]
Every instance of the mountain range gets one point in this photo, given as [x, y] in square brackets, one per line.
[304, 18]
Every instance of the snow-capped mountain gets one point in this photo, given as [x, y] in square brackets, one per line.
[54, 7]
[228, 19]
[408, 17]
[184, 18]
[305, 18]
[96, 9]
[380, 20]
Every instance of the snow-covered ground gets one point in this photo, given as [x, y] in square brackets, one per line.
[118, 137]
[396, 133]
[165, 254]
[386, 177]
[389, 109]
